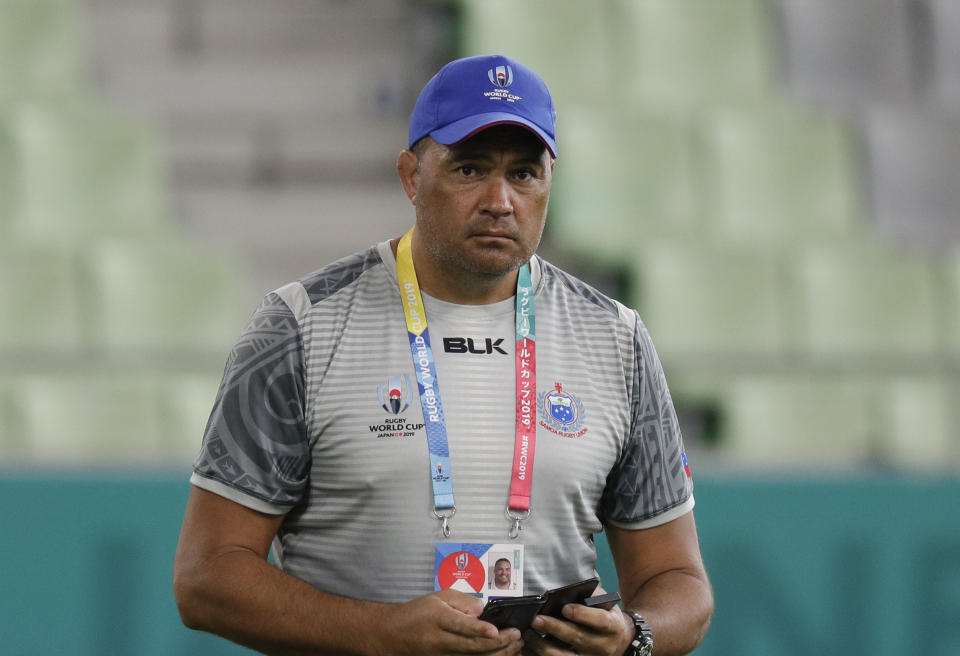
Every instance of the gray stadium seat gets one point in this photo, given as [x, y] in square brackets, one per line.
[945, 22]
[914, 159]
[849, 53]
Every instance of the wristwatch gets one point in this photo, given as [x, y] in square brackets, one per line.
[642, 643]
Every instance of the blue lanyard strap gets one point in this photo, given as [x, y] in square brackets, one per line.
[441, 473]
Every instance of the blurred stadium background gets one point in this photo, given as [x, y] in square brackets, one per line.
[774, 184]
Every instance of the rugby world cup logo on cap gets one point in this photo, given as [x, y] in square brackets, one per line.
[502, 76]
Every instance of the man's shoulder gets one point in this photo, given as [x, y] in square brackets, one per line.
[299, 296]
[337, 275]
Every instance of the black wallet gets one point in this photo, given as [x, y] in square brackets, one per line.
[518, 612]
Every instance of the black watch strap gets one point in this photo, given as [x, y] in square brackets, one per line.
[642, 643]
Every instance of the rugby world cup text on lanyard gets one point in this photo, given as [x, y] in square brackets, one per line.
[441, 474]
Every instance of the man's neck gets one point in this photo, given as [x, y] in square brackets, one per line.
[458, 288]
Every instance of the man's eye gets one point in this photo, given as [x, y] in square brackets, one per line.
[524, 175]
[467, 171]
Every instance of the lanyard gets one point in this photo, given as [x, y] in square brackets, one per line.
[441, 475]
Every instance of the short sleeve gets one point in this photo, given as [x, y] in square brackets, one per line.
[255, 449]
[650, 483]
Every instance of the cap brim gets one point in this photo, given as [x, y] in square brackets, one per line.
[466, 127]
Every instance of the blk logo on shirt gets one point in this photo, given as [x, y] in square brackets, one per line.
[480, 346]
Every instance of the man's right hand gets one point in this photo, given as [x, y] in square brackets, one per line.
[444, 622]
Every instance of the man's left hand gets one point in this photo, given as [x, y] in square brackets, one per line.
[583, 631]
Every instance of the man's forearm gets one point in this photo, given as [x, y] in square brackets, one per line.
[678, 605]
[240, 596]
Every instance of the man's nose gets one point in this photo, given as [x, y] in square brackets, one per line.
[497, 198]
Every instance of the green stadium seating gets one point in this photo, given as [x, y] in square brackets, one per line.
[950, 304]
[699, 301]
[87, 416]
[40, 300]
[9, 188]
[8, 431]
[773, 178]
[565, 41]
[185, 402]
[77, 417]
[164, 298]
[796, 421]
[920, 424]
[685, 54]
[865, 303]
[85, 173]
[40, 49]
[624, 177]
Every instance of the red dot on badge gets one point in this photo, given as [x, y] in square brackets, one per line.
[460, 570]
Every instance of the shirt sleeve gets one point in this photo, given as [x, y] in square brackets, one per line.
[255, 449]
[650, 483]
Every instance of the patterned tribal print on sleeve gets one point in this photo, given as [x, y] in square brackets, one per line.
[651, 477]
[255, 443]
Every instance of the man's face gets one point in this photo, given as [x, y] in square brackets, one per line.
[481, 204]
[501, 573]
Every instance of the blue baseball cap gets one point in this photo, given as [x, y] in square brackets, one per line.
[471, 94]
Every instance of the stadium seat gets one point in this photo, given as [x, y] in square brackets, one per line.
[9, 189]
[185, 401]
[949, 303]
[920, 424]
[689, 53]
[40, 300]
[85, 173]
[700, 302]
[164, 298]
[94, 417]
[624, 177]
[798, 422]
[945, 23]
[8, 431]
[565, 41]
[40, 49]
[871, 304]
[775, 177]
[847, 54]
[913, 159]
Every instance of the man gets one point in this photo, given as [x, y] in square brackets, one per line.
[538, 417]
[501, 574]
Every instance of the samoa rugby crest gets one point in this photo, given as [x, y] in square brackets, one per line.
[561, 412]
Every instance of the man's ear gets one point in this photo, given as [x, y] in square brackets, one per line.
[408, 167]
